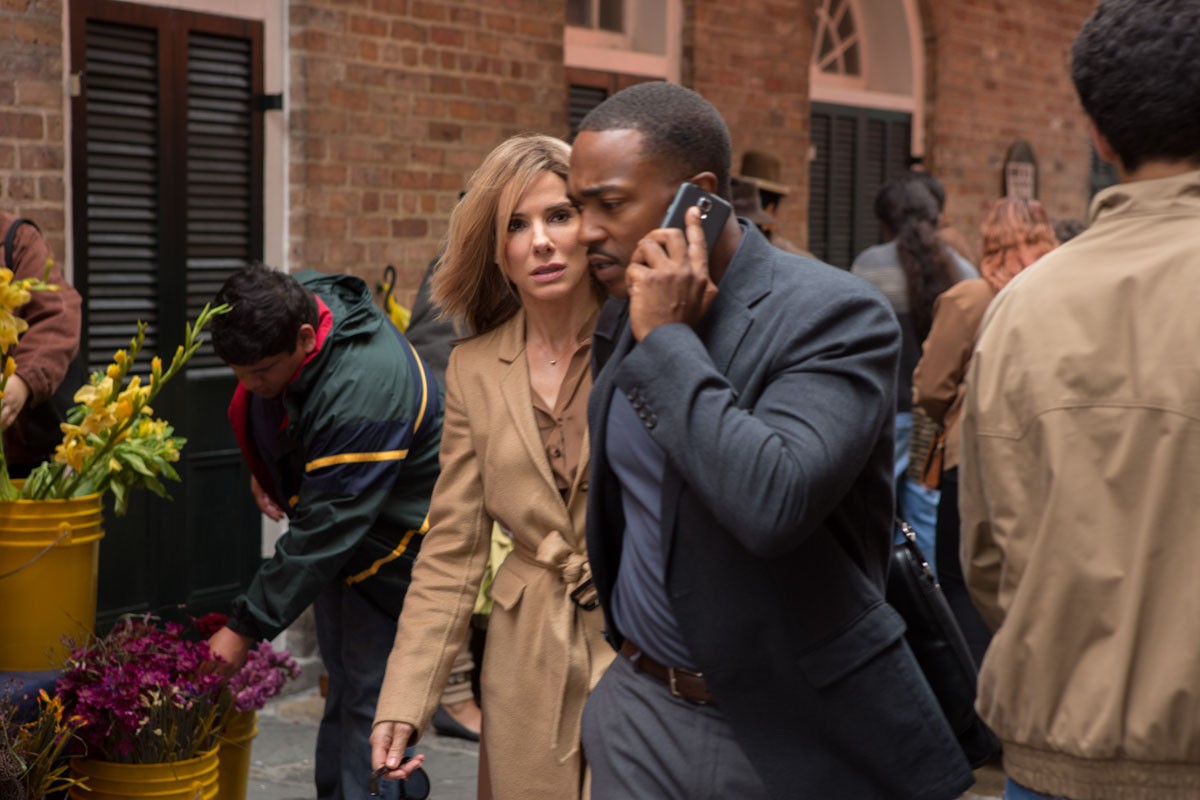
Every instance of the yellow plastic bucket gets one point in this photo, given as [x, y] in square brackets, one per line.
[49, 558]
[234, 755]
[194, 779]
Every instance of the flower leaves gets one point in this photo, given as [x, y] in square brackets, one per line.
[112, 440]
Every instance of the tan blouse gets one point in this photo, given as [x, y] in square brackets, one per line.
[562, 427]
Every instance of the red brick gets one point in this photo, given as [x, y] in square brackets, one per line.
[369, 227]
[430, 156]
[447, 37]
[445, 132]
[445, 84]
[40, 157]
[321, 226]
[21, 126]
[327, 174]
[39, 94]
[429, 9]
[348, 97]
[368, 26]
[408, 32]
[397, 7]
[465, 111]
[409, 227]
[467, 17]
[22, 188]
[500, 23]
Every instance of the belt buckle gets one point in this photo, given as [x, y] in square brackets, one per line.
[674, 687]
[578, 592]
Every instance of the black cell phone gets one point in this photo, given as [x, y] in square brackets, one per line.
[713, 211]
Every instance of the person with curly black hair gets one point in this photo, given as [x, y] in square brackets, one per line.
[1081, 446]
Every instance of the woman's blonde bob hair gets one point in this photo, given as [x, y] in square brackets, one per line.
[470, 283]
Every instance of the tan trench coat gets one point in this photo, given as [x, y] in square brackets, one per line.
[544, 653]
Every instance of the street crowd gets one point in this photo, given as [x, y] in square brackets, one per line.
[693, 445]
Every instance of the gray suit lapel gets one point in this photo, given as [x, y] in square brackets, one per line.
[746, 281]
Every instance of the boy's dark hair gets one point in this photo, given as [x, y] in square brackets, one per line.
[678, 127]
[1136, 67]
[268, 308]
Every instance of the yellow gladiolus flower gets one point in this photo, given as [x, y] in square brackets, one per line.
[73, 452]
[11, 328]
[10, 366]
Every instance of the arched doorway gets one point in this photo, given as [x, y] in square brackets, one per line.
[867, 79]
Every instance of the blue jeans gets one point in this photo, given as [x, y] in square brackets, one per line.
[1015, 791]
[355, 639]
[915, 503]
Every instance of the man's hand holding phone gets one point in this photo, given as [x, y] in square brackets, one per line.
[668, 277]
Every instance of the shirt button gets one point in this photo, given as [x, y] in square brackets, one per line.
[583, 486]
[554, 451]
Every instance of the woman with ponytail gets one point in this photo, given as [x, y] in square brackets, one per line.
[911, 269]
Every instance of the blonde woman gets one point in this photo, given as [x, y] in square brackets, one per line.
[514, 451]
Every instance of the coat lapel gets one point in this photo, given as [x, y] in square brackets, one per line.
[747, 280]
[723, 330]
[518, 397]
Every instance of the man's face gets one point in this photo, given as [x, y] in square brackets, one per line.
[270, 376]
[621, 195]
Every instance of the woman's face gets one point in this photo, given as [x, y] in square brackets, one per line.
[545, 260]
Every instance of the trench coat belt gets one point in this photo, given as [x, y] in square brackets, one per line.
[555, 554]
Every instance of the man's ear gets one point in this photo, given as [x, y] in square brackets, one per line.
[1101, 143]
[706, 181]
[306, 339]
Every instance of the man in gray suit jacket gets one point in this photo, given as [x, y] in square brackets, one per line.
[741, 498]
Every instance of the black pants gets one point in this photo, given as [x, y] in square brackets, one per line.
[949, 569]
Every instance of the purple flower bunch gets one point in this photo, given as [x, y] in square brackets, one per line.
[262, 677]
[145, 693]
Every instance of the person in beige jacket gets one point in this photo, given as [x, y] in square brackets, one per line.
[1015, 234]
[1080, 461]
[514, 451]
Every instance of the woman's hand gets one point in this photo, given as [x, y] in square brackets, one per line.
[389, 739]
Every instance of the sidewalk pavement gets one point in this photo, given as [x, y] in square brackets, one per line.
[282, 758]
[281, 765]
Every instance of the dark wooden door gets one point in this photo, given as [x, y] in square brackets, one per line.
[167, 166]
[856, 150]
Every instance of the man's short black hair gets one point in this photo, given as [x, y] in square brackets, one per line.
[268, 308]
[678, 126]
[1136, 67]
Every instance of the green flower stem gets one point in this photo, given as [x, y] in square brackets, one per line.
[183, 354]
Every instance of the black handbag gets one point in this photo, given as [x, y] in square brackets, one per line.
[936, 640]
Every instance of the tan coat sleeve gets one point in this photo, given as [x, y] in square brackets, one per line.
[944, 355]
[447, 573]
[981, 552]
[940, 376]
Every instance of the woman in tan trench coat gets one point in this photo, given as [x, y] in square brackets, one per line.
[514, 451]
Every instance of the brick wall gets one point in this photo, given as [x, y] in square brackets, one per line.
[750, 59]
[998, 72]
[32, 144]
[393, 103]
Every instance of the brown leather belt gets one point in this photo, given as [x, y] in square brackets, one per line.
[681, 682]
